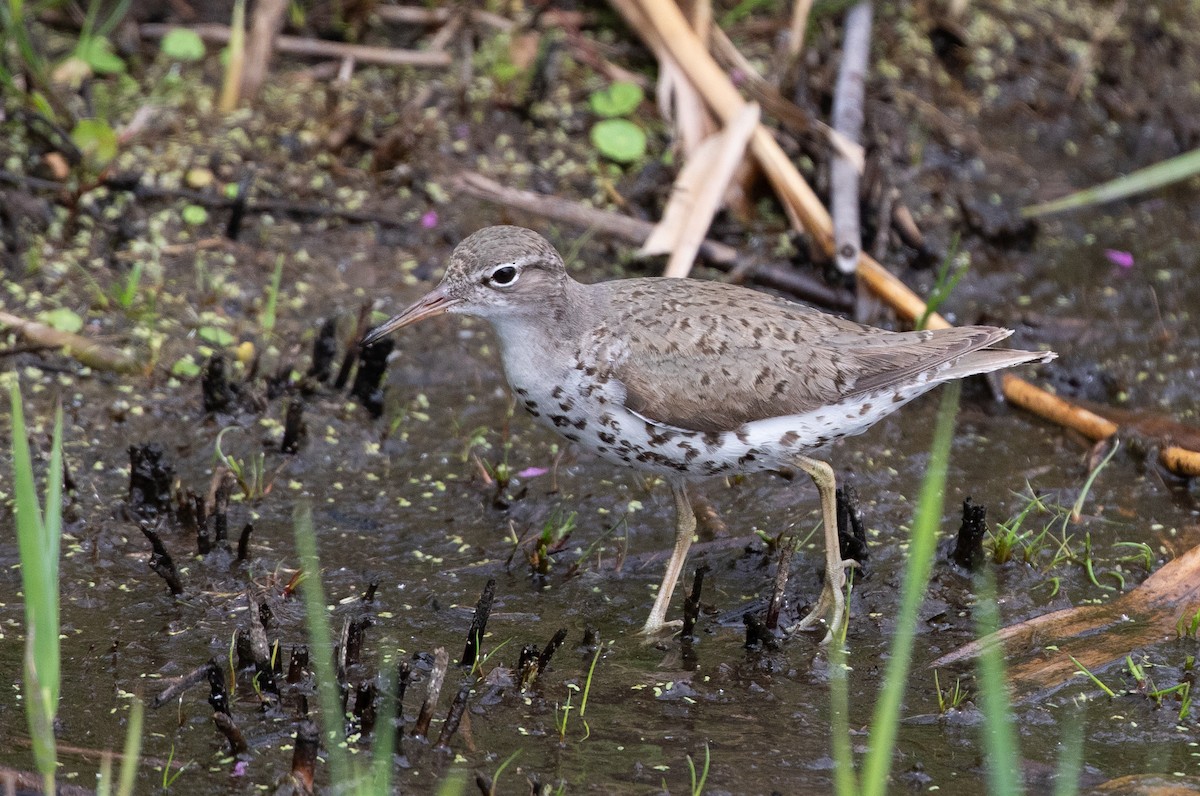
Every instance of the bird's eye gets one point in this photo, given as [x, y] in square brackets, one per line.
[504, 275]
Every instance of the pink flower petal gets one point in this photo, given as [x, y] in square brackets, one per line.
[1118, 257]
[429, 220]
[533, 472]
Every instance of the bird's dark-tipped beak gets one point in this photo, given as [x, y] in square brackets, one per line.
[435, 302]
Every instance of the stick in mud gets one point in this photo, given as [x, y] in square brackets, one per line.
[181, 684]
[228, 728]
[787, 549]
[852, 533]
[436, 677]
[161, 561]
[150, 481]
[368, 381]
[294, 430]
[365, 708]
[454, 717]
[968, 545]
[324, 351]
[297, 664]
[220, 506]
[218, 696]
[218, 393]
[483, 609]
[403, 675]
[757, 634]
[352, 351]
[372, 587]
[691, 606]
[304, 756]
[544, 659]
[243, 548]
[237, 210]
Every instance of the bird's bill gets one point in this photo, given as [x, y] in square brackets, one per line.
[435, 303]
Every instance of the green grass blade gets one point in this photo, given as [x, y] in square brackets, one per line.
[844, 779]
[321, 646]
[384, 744]
[886, 719]
[1070, 761]
[133, 749]
[51, 549]
[999, 733]
[1180, 167]
[40, 586]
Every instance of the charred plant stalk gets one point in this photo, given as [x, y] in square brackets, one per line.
[691, 604]
[324, 351]
[968, 545]
[304, 756]
[436, 677]
[176, 688]
[453, 718]
[483, 610]
[161, 562]
[555, 642]
[237, 742]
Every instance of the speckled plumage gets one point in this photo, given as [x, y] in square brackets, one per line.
[687, 378]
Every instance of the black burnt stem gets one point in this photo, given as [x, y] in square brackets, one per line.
[691, 605]
[968, 545]
[176, 688]
[434, 690]
[852, 533]
[243, 548]
[556, 641]
[304, 756]
[294, 429]
[368, 381]
[324, 351]
[483, 609]
[228, 728]
[453, 718]
[150, 481]
[161, 561]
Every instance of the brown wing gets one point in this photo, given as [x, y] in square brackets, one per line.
[710, 357]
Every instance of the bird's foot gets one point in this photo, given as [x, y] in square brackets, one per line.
[656, 627]
[833, 602]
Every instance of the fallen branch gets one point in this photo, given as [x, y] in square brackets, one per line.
[88, 352]
[848, 120]
[1041, 649]
[315, 48]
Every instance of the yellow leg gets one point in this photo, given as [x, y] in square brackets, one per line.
[833, 597]
[685, 527]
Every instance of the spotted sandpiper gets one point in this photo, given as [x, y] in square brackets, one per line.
[688, 379]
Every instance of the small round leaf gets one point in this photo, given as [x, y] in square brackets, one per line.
[181, 44]
[619, 99]
[194, 215]
[619, 139]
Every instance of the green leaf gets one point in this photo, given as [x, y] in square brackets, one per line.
[218, 337]
[62, 319]
[181, 44]
[185, 368]
[194, 215]
[96, 139]
[619, 139]
[97, 52]
[619, 99]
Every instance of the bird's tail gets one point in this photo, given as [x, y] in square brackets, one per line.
[988, 359]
